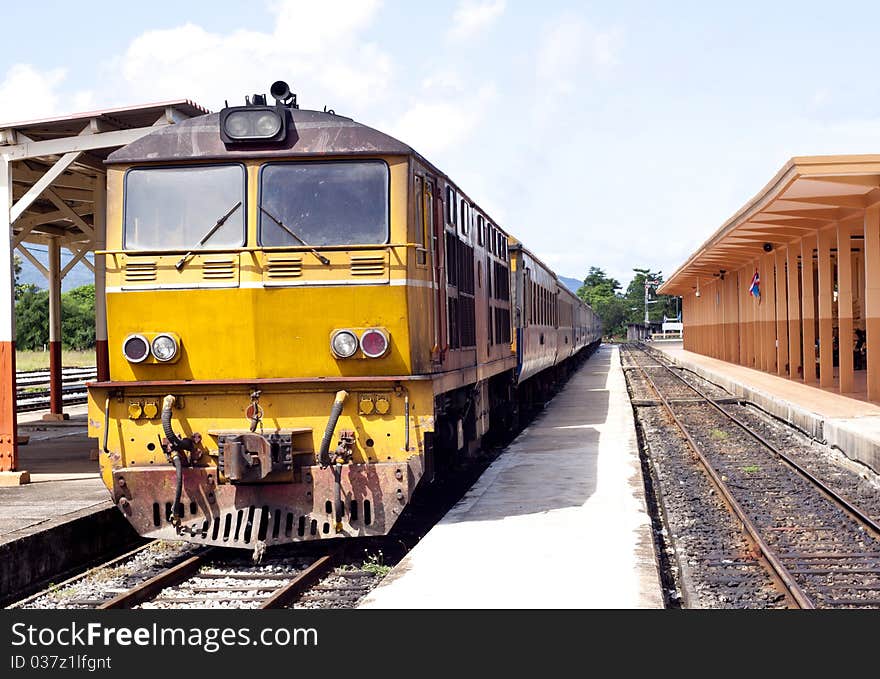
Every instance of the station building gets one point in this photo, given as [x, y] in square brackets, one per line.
[790, 284]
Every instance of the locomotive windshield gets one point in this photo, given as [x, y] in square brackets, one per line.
[324, 203]
[173, 208]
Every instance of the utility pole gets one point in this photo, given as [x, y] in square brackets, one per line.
[648, 285]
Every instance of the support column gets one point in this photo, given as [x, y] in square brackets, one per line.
[808, 285]
[826, 334]
[781, 315]
[9, 474]
[872, 299]
[55, 402]
[845, 308]
[102, 357]
[794, 314]
[768, 313]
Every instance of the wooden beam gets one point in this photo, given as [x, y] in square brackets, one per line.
[839, 201]
[70, 214]
[44, 182]
[33, 260]
[88, 142]
[872, 180]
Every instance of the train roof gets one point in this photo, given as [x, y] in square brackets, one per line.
[314, 133]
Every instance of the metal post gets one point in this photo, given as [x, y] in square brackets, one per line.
[102, 357]
[872, 299]
[55, 401]
[8, 420]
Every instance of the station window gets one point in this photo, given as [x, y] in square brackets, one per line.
[481, 227]
[465, 215]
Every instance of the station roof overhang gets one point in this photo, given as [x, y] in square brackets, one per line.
[54, 165]
[808, 194]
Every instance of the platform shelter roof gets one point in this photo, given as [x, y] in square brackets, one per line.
[808, 194]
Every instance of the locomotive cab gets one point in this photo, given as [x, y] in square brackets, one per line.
[256, 271]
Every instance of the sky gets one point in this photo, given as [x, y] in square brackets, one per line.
[608, 134]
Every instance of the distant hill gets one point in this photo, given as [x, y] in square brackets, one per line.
[572, 284]
[77, 276]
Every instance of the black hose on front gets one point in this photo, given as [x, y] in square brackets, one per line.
[335, 412]
[175, 455]
[178, 468]
[173, 439]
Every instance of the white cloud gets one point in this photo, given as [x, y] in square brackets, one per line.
[570, 47]
[318, 48]
[434, 126]
[470, 17]
[27, 93]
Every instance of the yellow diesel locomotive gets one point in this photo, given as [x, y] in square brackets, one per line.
[306, 318]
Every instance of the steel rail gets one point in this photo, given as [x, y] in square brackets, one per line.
[305, 579]
[844, 503]
[82, 576]
[777, 568]
[149, 588]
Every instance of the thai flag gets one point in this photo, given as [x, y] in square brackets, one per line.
[754, 288]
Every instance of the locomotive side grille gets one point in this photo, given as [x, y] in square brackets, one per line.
[284, 267]
[218, 269]
[140, 271]
[367, 265]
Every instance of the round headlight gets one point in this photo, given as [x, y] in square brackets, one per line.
[344, 343]
[374, 343]
[135, 348]
[238, 124]
[267, 125]
[164, 347]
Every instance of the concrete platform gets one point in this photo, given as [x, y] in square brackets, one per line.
[63, 517]
[843, 421]
[557, 521]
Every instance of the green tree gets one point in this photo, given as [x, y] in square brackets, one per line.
[77, 318]
[601, 293]
[663, 306]
[31, 317]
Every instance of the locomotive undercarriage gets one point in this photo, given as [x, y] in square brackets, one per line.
[241, 515]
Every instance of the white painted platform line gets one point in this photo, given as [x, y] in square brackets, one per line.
[557, 521]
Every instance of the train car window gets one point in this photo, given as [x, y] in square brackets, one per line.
[174, 208]
[419, 202]
[324, 203]
[450, 205]
[429, 214]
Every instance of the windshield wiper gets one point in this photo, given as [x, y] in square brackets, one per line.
[220, 222]
[275, 219]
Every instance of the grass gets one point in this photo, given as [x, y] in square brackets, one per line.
[39, 360]
[751, 469]
[718, 434]
[375, 564]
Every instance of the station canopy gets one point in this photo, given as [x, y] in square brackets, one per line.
[808, 194]
[56, 163]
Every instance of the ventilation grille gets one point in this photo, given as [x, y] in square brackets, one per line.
[218, 269]
[368, 265]
[140, 271]
[284, 267]
[249, 524]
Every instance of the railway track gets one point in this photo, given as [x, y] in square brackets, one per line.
[161, 575]
[32, 388]
[818, 547]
